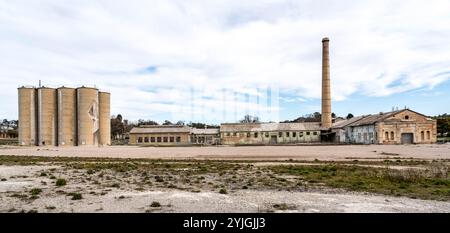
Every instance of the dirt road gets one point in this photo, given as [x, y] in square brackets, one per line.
[344, 152]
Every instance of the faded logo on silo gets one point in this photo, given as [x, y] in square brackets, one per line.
[93, 114]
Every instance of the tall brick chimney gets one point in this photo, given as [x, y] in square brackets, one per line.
[326, 92]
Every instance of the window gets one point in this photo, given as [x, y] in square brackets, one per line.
[165, 139]
[152, 139]
[392, 135]
[235, 134]
[386, 135]
[267, 134]
[406, 117]
[422, 136]
[308, 133]
[172, 139]
[428, 135]
[256, 135]
[139, 139]
[158, 139]
[315, 133]
[370, 136]
[287, 134]
[248, 135]
[178, 139]
[228, 134]
[280, 134]
[301, 134]
[146, 139]
[294, 134]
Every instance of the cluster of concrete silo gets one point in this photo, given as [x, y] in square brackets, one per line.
[64, 116]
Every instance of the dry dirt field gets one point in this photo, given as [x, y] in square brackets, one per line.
[413, 178]
[341, 152]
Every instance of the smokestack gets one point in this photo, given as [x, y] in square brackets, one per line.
[326, 93]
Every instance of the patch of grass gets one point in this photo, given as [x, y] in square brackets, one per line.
[75, 196]
[35, 191]
[223, 191]
[414, 183]
[155, 204]
[61, 182]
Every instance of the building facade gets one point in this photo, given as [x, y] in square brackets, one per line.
[159, 135]
[269, 133]
[396, 127]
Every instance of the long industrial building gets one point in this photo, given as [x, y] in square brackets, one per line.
[64, 116]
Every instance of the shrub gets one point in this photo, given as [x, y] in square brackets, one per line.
[90, 172]
[155, 204]
[76, 196]
[61, 182]
[223, 191]
[35, 191]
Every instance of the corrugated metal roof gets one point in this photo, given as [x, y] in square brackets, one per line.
[204, 131]
[161, 129]
[267, 127]
[372, 119]
[344, 123]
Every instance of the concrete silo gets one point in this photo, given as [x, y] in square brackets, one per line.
[47, 116]
[67, 116]
[105, 118]
[27, 116]
[87, 116]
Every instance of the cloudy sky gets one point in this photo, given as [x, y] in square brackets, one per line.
[215, 61]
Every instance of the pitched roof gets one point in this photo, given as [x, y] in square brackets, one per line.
[344, 123]
[161, 129]
[372, 119]
[265, 127]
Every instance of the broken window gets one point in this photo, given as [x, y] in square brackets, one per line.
[172, 139]
[152, 139]
[256, 135]
[392, 135]
[139, 139]
[428, 135]
[165, 139]
[294, 134]
[146, 139]
[178, 139]
[158, 139]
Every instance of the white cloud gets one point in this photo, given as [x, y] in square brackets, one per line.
[378, 48]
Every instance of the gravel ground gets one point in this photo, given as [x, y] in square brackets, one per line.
[20, 180]
[340, 152]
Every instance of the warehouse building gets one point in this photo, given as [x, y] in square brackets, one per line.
[397, 127]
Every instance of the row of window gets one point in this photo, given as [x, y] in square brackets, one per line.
[280, 134]
[158, 139]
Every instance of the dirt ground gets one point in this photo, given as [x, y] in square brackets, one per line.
[15, 197]
[30, 186]
[340, 152]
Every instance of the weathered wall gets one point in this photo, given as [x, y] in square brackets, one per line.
[270, 137]
[27, 117]
[184, 138]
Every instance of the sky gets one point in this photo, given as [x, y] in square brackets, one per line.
[215, 61]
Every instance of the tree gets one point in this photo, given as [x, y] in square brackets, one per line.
[250, 119]
[167, 122]
[333, 115]
[349, 116]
